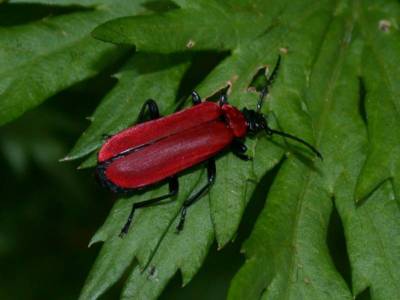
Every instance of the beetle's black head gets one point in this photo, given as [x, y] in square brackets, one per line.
[255, 120]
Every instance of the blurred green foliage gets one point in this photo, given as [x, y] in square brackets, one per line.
[48, 209]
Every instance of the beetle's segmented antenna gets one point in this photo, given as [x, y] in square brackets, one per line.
[287, 135]
[270, 80]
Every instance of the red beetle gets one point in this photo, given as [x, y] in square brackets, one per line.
[159, 149]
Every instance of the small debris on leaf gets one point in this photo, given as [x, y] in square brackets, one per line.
[384, 25]
[190, 44]
[284, 50]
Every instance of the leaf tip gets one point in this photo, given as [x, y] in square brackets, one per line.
[104, 32]
[112, 32]
[95, 239]
[367, 185]
[222, 243]
[185, 279]
[117, 76]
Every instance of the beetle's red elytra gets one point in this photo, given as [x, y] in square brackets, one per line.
[158, 149]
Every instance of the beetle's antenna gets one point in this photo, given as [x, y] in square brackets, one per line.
[270, 80]
[281, 133]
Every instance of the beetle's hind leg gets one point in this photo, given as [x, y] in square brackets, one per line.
[211, 173]
[173, 190]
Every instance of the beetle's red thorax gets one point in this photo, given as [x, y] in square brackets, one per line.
[235, 120]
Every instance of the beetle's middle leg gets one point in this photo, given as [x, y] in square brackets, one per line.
[211, 173]
[173, 190]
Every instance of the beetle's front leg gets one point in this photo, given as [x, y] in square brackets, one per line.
[211, 173]
[152, 107]
[154, 113]
[239, 149]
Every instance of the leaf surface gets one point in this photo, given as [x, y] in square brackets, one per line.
[380, 71]
[287, 251]
[39, 59]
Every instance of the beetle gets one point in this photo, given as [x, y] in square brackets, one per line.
[158, 150]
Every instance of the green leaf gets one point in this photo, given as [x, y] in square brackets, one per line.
[39, 59]
[336, 57]
[223, 28]
[287, 256]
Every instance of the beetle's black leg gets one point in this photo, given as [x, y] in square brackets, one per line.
[265, 90]
[211, 172]
[152, 106]
[195, 98]
[239, 149]
[173, 190]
